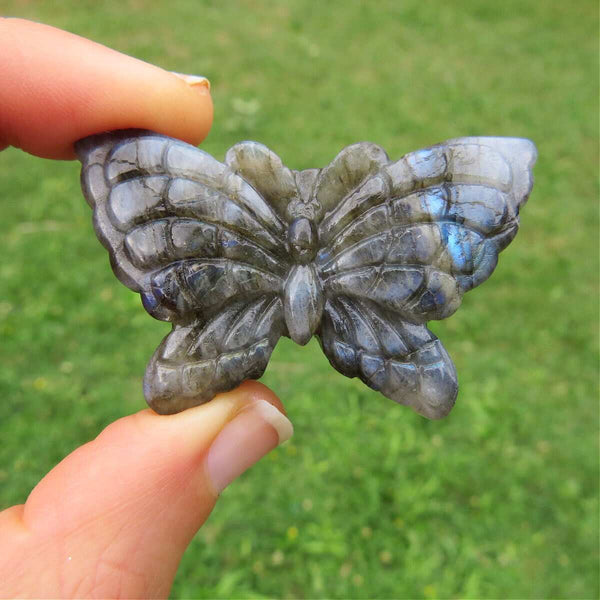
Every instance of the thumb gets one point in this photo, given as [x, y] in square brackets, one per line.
[114, 518]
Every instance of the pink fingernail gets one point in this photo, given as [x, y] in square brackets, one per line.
[252, 433]
[195, 81]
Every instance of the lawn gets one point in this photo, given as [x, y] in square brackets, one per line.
[368, 500]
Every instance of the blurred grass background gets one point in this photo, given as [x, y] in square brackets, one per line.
[368, 500]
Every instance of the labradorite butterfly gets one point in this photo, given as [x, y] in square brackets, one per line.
[361, 253]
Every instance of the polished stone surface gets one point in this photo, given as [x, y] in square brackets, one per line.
[361, 253]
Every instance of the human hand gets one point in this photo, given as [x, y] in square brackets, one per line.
[58, 88]
[114, 518]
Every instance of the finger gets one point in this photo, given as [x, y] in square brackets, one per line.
[58, 88]
[126, 505]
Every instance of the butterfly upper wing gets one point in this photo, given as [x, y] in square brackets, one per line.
[403, 246]
[159, 202]
[204, 250]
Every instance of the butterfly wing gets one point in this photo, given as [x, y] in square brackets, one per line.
[403, 246]
[204, 250]
[196, 361]
[403, 361]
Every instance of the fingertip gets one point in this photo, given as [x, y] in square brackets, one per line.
[170, 105]
[194, 428]
[153, 476]
[199, 82]
[58, 88]
[139, 451]
[255, 390]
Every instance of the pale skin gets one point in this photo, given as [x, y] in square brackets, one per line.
[115, 516]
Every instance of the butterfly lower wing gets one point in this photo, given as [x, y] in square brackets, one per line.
[403, 361]
[195, 362]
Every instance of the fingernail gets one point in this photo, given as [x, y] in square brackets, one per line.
[195, 81]
[251, 434]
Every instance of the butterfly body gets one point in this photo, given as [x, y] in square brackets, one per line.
[361, 253]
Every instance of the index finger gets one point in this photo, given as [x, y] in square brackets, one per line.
[58, 87]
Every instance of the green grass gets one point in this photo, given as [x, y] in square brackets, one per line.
[368, 500]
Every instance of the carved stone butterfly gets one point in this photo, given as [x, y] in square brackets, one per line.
[361, 254]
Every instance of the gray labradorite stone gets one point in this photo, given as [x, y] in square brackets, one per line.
[361, 253]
